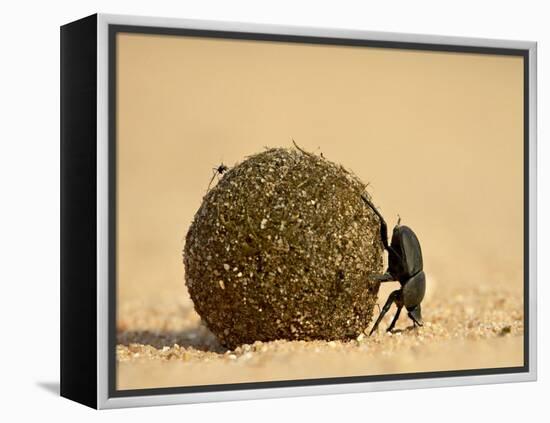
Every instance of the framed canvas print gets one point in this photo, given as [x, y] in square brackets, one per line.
[253, 211]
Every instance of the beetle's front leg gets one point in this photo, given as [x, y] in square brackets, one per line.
[393, 297]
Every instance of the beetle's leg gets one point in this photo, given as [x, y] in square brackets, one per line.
[415, 315]
[386, 277]
[383, 226]
[394, 321]
[394, 296]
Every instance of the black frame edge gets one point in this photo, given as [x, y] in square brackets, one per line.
[78, 208]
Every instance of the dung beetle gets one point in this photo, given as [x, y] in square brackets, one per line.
[404, 265]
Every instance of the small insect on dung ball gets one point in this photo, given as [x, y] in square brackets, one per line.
[283, 247]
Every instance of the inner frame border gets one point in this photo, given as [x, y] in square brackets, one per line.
[525, 50]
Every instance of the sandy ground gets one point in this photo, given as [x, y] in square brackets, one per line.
[162, 343]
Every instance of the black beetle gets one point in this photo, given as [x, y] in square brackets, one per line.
[404, 265]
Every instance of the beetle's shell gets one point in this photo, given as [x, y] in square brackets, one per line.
[405, 242]
[282, 247]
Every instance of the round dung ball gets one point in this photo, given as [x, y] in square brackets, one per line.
[283, 247]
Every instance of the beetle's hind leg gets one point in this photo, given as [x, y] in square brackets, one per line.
[415, 314]
[395, 296]
[394, 321]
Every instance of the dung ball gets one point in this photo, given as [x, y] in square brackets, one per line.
[283, 247]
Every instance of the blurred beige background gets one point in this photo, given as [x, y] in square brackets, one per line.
[438, 135]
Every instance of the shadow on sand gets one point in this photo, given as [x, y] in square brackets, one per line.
[198, 338]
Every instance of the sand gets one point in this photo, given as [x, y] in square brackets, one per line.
[162, 343]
